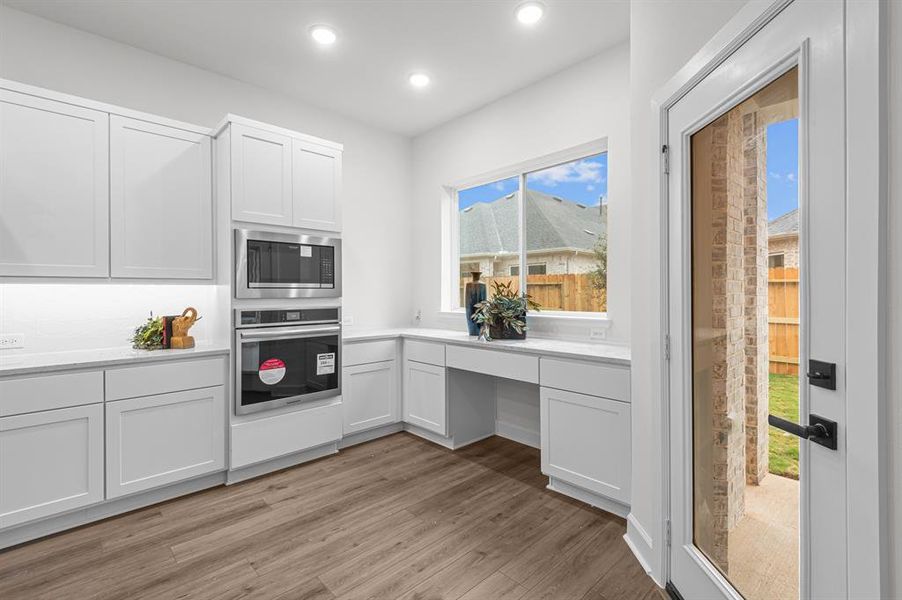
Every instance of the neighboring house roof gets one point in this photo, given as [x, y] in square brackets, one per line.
[787, 224]
[551, 223]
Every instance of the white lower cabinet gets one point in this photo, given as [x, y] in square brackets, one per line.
[165, 438]
[369, 396]
[50, 462]
[586, 442]
[425, 398]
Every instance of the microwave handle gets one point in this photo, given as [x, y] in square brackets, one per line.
[293, 333]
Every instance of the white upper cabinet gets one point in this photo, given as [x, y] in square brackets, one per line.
[261, 176]
[161, 203]
[54, 188]
[316, 185]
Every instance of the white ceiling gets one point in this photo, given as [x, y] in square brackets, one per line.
[475, 51]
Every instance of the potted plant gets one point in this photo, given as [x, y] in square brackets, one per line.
[503, 316]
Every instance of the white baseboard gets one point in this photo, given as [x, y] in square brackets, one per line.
[283, 462]
[591, 498]
[524, 436]
[353, 439]
[104, 510]
[640, 543]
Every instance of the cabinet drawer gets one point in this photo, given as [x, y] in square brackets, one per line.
[33, 394]
[594, 379]
[283, 434]
[494, 362]
[430, 353]
[163, 378]
[361, 353]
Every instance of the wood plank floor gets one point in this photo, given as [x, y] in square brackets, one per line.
[396, 518]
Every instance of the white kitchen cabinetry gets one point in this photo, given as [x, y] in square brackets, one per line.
[316, 185]
[586, 442]
[50, 462]
[161, 203]
[425, 397]
[54, 188]
[370, 396]
[261, 176]
[157, 440]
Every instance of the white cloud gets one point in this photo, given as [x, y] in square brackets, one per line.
[791, 177]
[590, 187]
[776, 176]
[574, 172]
[499, 185]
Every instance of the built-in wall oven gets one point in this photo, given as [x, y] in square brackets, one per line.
[270, 264]
[286, 356]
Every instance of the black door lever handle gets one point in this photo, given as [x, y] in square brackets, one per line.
[820, 430]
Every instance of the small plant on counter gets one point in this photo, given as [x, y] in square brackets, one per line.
[504, 314]
[149, 336]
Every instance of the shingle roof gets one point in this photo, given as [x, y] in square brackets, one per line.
[784, 224]
[491, 227]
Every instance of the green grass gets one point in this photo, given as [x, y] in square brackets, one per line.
[783, 448]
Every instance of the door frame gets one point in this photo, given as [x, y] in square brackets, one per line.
[865, 368]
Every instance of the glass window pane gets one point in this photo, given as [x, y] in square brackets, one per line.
[566, 216]
[489, 234]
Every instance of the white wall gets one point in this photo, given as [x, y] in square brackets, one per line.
[664, 34]
[580, 104]
[376, 165]
[894, 268]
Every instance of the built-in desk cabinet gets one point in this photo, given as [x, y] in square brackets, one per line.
[425, 389]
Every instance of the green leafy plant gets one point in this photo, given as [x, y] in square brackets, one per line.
[504, 311]
[149, 335]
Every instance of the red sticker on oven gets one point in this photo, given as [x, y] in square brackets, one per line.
[271, 371]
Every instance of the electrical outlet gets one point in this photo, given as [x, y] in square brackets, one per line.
[598, 333]
[8, 341]
[347, 320]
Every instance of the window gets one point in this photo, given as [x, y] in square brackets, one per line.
[561, 211]
[775, 260]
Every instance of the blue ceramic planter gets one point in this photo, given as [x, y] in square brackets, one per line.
[474, 293]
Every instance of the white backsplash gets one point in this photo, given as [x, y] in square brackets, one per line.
[82, 316]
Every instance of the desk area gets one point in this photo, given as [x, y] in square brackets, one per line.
[446, 386]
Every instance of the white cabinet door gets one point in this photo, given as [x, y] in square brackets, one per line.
[158, 440]
[261, 176]
[316, 184]
[369, 396]
[586, 442]
[50, 462]
[161, 202]
[54, 188]
[424, 397]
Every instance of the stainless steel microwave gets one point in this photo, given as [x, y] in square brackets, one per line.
[270, 264]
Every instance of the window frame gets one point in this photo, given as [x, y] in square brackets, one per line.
[451, 216]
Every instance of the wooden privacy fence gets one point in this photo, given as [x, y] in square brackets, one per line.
[555, 292]
[783, 320]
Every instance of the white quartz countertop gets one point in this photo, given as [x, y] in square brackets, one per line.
[601, 352]
[22, 364]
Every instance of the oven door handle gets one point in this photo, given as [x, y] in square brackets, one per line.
[286, 334]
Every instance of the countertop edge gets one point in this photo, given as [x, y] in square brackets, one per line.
[75, 364]
[364, 336]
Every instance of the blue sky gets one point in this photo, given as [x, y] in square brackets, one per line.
[583, 181]
[782, 168]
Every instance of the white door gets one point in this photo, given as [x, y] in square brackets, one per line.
[50, 462]
[54, 188]
[316, 183]
[261, 176]
[370, 396]
[424, 396]
[756, 289]
[158, 440]
[161, 202]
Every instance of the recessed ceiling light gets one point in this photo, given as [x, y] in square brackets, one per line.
[323, 35]
[419, 80]
[529, 13]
